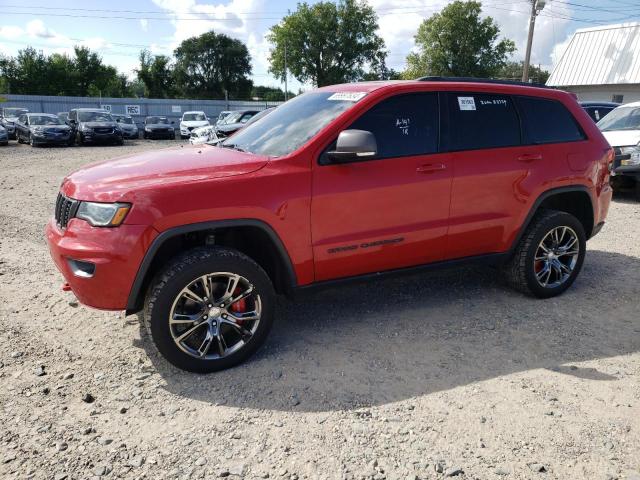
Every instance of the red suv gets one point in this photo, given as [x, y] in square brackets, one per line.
[340, 182]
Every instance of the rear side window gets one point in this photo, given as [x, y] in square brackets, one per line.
[403, 125]
[482, 121]
[547, 121]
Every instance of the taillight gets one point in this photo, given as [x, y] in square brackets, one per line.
[611, 156]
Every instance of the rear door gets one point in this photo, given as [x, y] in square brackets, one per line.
[492, 174]
[390, 211]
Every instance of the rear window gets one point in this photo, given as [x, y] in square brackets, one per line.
[482, 121]
[547, 121]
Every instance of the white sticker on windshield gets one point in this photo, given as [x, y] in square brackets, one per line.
[466, 103]
[347, 96]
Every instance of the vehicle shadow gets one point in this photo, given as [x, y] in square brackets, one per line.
[393, 339]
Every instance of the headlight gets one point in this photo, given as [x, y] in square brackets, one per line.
[147, 129]
[634, 155]
[103, 214]
[84, 128]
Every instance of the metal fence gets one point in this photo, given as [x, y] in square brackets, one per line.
[138, 108]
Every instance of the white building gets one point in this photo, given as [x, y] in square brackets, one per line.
[601, 64]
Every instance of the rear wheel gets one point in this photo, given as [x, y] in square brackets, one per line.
[549, 256]
[210, 309]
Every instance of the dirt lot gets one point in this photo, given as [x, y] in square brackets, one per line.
[449, 373]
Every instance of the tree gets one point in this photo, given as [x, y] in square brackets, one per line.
[326, 42]
[457, 42]
[157, 75]
[211, 65]
[513, 71]
[269, 94]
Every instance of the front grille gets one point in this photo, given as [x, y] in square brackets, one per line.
[65, 209]
[103, 130]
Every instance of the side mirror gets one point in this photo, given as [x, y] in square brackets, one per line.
[353, 145]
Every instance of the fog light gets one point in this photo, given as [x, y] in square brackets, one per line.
[81, 268]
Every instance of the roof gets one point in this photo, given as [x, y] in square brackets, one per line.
[606, 55]
[599, 104]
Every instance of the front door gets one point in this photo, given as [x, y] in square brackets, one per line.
[390, 211]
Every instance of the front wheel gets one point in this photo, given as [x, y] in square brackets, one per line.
[210, 309]
[549, 256]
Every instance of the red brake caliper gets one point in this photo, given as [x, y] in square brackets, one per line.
[240, 306]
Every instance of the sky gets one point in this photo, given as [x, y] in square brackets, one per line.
[119, 29]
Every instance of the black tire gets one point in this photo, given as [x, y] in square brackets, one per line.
[180, 273]
[173, 136]
[520, 269]
[19, 138]
[79, 139]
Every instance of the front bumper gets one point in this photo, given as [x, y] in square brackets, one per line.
[49, 139]
[130, 134]
[161, 134]
[115, 252]
[94, 137]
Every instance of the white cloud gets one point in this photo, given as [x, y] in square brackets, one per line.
[36, 28]
[144, 24]
[10, 31]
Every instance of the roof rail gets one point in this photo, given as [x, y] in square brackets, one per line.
[480, 80]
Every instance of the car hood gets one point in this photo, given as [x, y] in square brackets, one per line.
[230, 127]
[123, 178]
[194, 123]
[127, 126]
[622, 138]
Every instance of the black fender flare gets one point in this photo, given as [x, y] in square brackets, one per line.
[138, 283]
[541, 198]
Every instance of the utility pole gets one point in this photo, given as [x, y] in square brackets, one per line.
[286, 89]
[536, 8]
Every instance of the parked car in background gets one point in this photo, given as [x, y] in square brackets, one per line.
[344, 181]
[222, 115]
[127, 125]
[158, 127]
[42, 129]
[4, 136]
[91, 125]
[598, 110]
[191, 120]
[233, 129]
[202, 135]
[8, 117]
[63, 116]
[234, 122]
[621, 128]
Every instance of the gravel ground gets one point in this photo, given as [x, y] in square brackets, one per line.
[427, 376]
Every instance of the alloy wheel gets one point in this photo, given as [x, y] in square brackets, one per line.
[556, 257]
[215, 315]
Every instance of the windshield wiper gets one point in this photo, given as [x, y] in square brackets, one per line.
[231, 145]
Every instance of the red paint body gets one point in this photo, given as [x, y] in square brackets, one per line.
[442, 206]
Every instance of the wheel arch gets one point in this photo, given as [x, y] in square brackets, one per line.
[252, 237]
[574, 199]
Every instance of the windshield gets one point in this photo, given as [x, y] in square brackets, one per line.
[44, 120]
[259, 115]
[63, 116]
[233, 117]
[622, 118]
[156, 120]
[123, 119]
[94, 117]
[14, 112]
[290, 125]
[193, 117]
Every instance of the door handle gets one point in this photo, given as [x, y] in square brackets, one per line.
[530, 157]
[431, 168]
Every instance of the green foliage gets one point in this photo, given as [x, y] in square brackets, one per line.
[326, 42]
[156, 73]
[458, 42]
[513, 71]
[211, 64]
[269, 94]
[33, 73]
